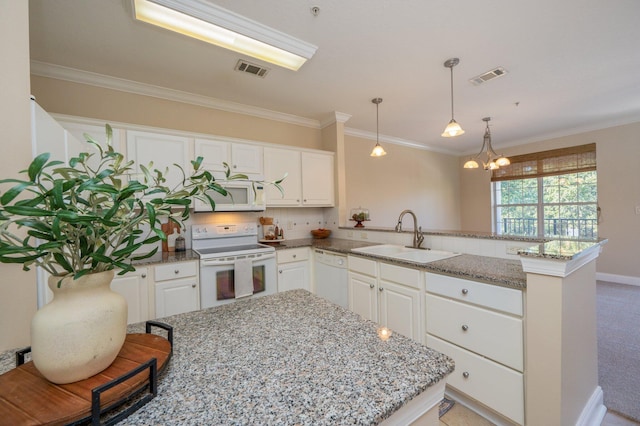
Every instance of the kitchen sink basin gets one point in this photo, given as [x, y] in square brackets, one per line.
[406, 253]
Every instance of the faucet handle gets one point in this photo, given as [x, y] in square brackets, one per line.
[420, 236]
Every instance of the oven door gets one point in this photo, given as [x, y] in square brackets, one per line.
[217, 278]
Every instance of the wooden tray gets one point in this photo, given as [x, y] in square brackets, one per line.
[27, 398]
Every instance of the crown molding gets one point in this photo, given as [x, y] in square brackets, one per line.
[44, 69]
[396, 141]
[335, 117]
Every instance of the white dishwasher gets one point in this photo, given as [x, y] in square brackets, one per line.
[331, 276]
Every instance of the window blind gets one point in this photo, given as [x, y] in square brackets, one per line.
[561, 161]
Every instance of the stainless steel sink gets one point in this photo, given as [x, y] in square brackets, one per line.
[406, 253]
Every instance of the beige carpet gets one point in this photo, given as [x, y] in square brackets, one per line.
[619, 347]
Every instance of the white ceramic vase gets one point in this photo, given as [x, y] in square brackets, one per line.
[80, 332]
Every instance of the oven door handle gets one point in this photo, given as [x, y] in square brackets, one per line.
[213, 262]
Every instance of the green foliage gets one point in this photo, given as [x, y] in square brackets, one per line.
[87, 216]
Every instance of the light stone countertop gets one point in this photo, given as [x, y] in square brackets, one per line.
[291, 358]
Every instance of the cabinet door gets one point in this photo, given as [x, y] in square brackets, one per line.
[134, 287]
[277, 163]
[400, 309]
[363, 299]
[317, 179]
[293, 275]
[163, 150]
[214, 154]
[176, 297]
[246, 159]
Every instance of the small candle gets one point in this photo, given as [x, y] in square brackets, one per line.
[384, 333]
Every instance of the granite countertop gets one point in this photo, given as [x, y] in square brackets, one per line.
[168, 257]
[292, 359]
[492, 270]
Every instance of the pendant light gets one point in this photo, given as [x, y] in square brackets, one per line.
[378, 151]
[493, 160]
[453, 128]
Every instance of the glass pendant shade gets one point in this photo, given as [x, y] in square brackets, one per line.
[503, 161]
[452, 129]
[471, 164]
[378, 151]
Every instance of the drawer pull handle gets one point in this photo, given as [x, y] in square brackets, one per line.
[371, 286]
[465, 327]
[177, 271]
[465, 291]
[465, 374]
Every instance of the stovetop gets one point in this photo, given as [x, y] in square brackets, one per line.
[227, 250]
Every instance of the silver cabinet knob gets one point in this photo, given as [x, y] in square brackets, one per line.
[465, 327]
[465, 291]
[380, 289]
[371, 286]
[235, 166]
[143, 275]
[177, 271]
[280, 271]
[193, 286]
[465, 374]
[295, 255]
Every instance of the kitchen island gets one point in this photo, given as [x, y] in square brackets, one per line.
[291, 359]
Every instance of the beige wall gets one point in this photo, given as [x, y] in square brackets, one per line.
[64, 97]
[618, 152]
[405, 178]
[17, 288]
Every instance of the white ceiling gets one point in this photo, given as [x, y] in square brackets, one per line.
[573, 65]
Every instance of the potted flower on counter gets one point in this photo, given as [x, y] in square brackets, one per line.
[80, 222]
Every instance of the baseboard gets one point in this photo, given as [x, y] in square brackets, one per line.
[618, 279]
[593, 413]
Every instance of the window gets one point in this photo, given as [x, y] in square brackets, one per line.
[550, 194]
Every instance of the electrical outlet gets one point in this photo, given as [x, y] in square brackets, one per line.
[363, 235]
[638, 209]
[289, 225]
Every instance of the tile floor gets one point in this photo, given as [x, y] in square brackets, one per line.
[462, 416]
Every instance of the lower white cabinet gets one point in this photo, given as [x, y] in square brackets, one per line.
[134, 286]
[293, 269]
[481, 327]
[176, 288]
[387, 294]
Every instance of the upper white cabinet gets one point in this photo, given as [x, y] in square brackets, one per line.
[309, 181]
[241, 158]
[161, 149]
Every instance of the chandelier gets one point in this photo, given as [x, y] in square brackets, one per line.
[493, 160]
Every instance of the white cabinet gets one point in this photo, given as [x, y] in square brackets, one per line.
[481, 327]
[161, 149]
[309, 181]
[241, 158]
[177, 288]
[293, 269]
[134, 286]
[388, 294]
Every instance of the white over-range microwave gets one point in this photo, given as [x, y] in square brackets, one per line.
[242, 197]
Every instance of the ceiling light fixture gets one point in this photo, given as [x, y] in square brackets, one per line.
[453, 128]
[494, 161]
[213, 24]
[378, 150]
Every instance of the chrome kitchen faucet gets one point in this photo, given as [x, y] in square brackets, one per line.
[418, 237]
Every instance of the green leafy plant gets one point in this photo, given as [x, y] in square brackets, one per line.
[92, 216]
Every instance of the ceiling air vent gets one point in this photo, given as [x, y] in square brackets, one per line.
[489, 75]
[250, 68]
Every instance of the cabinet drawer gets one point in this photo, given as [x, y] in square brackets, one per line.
[362, 265]
[397, 274]
[491, 334]
[292, 255]
[504, 299]
[172, 271]
[498, 387]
